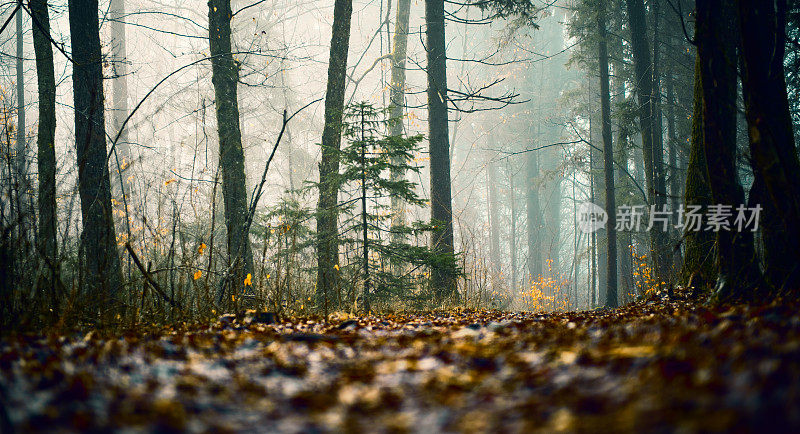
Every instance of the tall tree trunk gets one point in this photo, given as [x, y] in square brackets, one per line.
[652, 151]
[225, 78]
[625, 276]
[21, 152]
[364, 224]
[599, 198]
[45, 140]
[638, 164]
[552, 217]
[591, 271]
[21, 163]
[552, 78]
[575, 242]
[103, 279]
[494, 226]
[659, 176]
[512, 244]
[659, 173]
[772, 146]
[625, 240]
[119, 64]
[674, 174]
[608, 161]
[534, 216]
[697, 270]
[397, 97]
[442, 279]
[327, 207]
[735, 260]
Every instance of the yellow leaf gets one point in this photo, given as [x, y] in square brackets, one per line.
[633, 351]
[201, 248]
[169, 181]
[198, 274]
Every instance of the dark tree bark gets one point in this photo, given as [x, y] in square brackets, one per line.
[697, 270]
[397, 98]
[625, 274]
[225, 78]
[651, 148]
[598, 196]
[327, 211]
[659, 176]
[659, 169]
[45, 140]
[772, 146]
[103, 280]
[608, 160]
[442, 279]
[735, 260]
[364, 224]
[21, 163]
[672, 142]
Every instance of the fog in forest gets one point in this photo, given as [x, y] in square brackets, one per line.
[523, 118]
[399, 215]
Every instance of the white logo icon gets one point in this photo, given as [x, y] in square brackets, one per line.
[591, 217]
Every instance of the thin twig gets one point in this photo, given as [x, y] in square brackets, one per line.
[149, 279]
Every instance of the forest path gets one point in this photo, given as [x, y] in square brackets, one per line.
[655, 366]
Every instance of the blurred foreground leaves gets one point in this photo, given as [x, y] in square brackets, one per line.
[654, 366]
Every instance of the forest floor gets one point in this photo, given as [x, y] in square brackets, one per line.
[652, 366]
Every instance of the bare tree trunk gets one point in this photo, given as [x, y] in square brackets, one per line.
[652, 152]
[697, 270]
[534, 216]
[735, 261]
[772, 146]
[327, 211]
[494, 226]
[512, 203]
[397, 99]
[599, 198]
[674, 174]
[608, 162]
[45, 140]
[591, 272]
[442, 279]
[364, 224]
[21, 163]
[103, 279]
[659, 176]
[550, 159]
[23, 199]
[666, 256]
[225, 78]
[625, 276]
